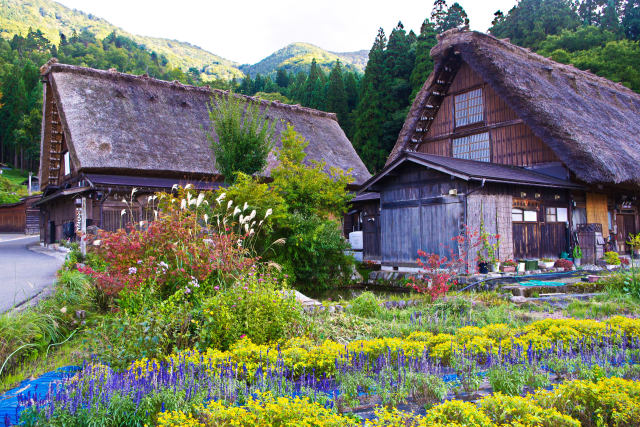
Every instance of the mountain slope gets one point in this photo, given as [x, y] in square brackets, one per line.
[297, 57]
[17, 16]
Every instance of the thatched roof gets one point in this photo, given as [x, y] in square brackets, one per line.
[115, 121]
[591, 123]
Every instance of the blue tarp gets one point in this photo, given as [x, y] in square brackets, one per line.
[9, 410]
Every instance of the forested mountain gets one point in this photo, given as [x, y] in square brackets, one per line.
[51, 18]
[599, 35]
[297, 57]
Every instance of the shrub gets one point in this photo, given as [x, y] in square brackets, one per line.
[168, 255]
[426, 390]
[612, 258]
[612, 401]
[365, 305]
[510, 411]
[244, 135]
[457, 412]
[254, 307]
[564, 263]
[509, 380]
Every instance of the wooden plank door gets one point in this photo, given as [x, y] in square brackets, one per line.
[626, 224]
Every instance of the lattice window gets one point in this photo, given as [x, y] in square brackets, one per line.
[523, 215]
[469, 108]
[473, 147]
[557, 215]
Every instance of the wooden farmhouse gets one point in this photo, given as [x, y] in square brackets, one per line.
[105, 133]
[541, 153]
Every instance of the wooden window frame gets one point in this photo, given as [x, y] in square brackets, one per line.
[522, 210]
[489, 157]
[467, 108]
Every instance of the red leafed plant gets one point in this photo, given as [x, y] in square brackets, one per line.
[173, 252]
[439, 272]
[564, 263]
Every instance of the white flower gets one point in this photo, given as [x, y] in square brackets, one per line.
[229, 204]
[133, 270]
[241, 219]
[269, 212]
[252, 215]
[200, 199]
[186, 187]
[246, 205]
[236, 211]
[251, 232]
[174, 187]
[183, 204]
[163, 265]
[122, 212]
[239, 242]
[246, 228]
[206, 218]
[221, 197]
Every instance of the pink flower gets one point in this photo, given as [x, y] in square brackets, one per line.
[242, 336]
[217, 288]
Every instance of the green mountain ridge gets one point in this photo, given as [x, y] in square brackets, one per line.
[297, 57]
[17, 16]
[52, 18]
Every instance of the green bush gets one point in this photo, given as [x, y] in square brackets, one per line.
[515, 410]
[509, 380]
[254, 307]
[365, 305]
[612, 258]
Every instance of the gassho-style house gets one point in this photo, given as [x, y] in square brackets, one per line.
[542, 153]
[105, 133]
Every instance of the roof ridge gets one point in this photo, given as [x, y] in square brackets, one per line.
[52, 65]
[449, 38]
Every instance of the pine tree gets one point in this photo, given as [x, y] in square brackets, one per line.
[423, 65]
[337, 95]
[631, 20]
[369, 115]
[610, 20]
[456, 17]
[282, 78]
[399, 58]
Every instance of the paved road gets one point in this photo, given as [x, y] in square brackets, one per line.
[23, 273]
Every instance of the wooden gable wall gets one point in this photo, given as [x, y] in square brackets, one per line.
[512, 142]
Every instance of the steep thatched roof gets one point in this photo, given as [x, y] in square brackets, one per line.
[591, 123]
[115, 121]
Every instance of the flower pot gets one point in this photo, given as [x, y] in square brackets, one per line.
[495, 267]
[508, 268]
[521, 267]
[483, 267]
[577, 261]
[546, 264]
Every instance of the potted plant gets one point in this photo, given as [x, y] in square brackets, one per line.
[483, 265]
[612, 259]
[634, 244]
[564, 263]
[577, 254]
[509, 266]
[546, 263]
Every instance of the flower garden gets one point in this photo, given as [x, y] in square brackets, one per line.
[191, 320]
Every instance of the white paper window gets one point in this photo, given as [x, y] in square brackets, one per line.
[67, 164]
[473, 147]
[557, 215]
[469, 108]
[517, 215]
[530, 216]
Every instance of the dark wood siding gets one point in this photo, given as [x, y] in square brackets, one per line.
[512, 142]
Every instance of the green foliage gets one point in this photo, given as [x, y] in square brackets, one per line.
[365, 305]
[426, 389]
[255, 308]
[612, 258]
[531, 21]
[58, 22]
[577, 251]
[10, 192]
[244, 135]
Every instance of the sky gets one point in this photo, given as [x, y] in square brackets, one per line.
[246, 31]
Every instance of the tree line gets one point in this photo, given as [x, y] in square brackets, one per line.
[599, 35]
[21, 88]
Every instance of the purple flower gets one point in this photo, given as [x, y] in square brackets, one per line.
[187, 290]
